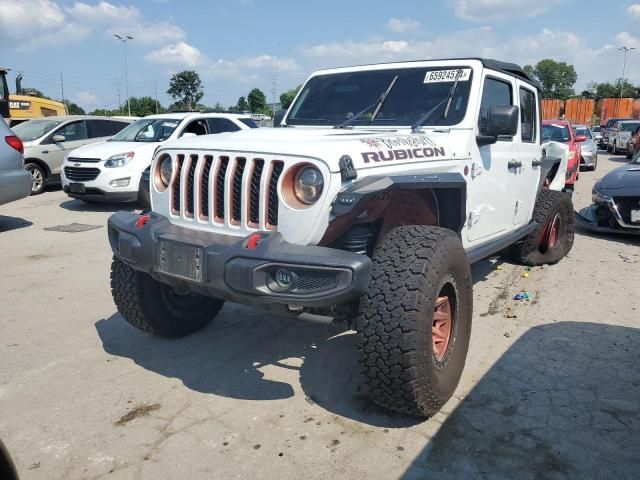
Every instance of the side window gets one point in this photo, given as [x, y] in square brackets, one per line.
[220, 125]
[495, 92]
[99, 128]
[73, 131]
[527, 115]
[198, 127]
[115, 126]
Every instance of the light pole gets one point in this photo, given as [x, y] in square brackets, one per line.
[124, 39]
[625, 50]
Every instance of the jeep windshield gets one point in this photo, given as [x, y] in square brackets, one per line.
[147, 130]
[332, 99]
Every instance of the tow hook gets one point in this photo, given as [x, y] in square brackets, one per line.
[142, 220]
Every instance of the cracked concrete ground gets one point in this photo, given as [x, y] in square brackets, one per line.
[551, 388]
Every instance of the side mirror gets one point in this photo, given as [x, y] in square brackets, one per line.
[581, 138]
[502, 120]
[58, 138]
[278, 116]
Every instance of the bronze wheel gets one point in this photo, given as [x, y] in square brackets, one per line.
[442, 326]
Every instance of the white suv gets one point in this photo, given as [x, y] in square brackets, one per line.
[112, 170]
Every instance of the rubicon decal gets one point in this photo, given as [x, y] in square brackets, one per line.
[382, 143]
[403, 154]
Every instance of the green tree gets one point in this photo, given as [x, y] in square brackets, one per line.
[73, 108]
[242, 105]
[143, 106]
[286, 99]
[257, 101]
[612, 90]
[557, 78]
[34, 92]
[186, 90]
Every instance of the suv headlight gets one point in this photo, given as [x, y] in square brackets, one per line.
[163, 171]
[119, 160]
[308, 184]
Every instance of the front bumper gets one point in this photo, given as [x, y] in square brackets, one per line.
[589, 158]
[604, 217]
[98, 195]
[232, 269]
[100, 188]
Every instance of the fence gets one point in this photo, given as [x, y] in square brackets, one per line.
[585, 110]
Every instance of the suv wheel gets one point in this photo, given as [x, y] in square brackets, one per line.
[414, 321]
[38, 178]
[553, 236]
[155, 308]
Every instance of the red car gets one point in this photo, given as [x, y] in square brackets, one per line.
[562, 131]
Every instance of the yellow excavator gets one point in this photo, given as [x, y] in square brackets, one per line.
[19, 108]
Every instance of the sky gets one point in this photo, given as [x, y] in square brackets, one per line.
[234, 44]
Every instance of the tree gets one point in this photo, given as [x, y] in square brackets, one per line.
[186, 89]
[34, 92]
[73, 108]
[612, 90]
[286, 99]
[242, 105]
[143, 106]
[257, 101]
[218, 108]
[557, 78]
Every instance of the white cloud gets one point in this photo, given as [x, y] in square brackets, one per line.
[177, 54]
[634, 10]
[86, 99]
[402, 25]
[500, 9]
[628, 40]
[104, 13]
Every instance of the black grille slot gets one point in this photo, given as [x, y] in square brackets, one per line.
[83, 160]
[204, 191]
[272, 206]
[236, 207]
[309, 280]
[176, 184]
[81, 174]
[191, 184]
[222, 173]
[254, 193]
[625, 205]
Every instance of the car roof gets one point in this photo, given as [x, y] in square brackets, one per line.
[183, 115]
[64, 118]
[558, 121]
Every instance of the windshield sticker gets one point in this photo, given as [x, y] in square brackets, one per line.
[438, 76]
[416, 148]
[169, 124]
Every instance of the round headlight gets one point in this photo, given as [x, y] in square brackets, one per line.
[166, 170]
[308, 184]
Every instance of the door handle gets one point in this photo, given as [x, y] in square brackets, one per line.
[45, 151]
[514, 164]
[536, 163]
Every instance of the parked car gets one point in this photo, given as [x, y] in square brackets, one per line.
[621, 134]
[15, 181]
[48, 140]
[634, 143]
[606, 131]
[111, 171]
[588, 147]
[616, 201]
[562, 131]
[597, 136]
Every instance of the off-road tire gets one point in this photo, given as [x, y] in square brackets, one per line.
[153, 307]
[412, 267]
[534, 248]
[33, 169]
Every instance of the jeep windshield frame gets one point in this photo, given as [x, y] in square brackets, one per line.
[331, 99]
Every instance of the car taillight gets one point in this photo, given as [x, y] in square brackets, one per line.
[14, 142]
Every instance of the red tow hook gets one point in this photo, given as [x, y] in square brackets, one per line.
[142, 220]
[253, 241]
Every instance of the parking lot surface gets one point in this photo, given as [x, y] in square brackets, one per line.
[551, 388]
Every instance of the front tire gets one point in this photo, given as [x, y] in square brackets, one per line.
[155, 308]
[553, 236]
[38, 178]
[414, 321]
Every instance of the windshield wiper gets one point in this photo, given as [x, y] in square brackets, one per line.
[378, 104]
[452, 92]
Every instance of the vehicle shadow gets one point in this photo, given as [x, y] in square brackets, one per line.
[13, 223]
[619, 159]
[562, 402]
[75, 205]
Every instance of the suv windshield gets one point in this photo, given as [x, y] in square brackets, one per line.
[333, 98]
[32, 129]
[555, 132]
[582, 131]
[147, 130]
[629, 126]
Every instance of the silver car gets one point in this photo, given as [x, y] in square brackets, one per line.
[588, 147]
[15, 181]
[48, 140]
[621, 134]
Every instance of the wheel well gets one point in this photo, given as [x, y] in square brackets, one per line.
[40, 163]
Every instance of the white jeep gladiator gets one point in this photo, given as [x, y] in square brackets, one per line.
[383, 185]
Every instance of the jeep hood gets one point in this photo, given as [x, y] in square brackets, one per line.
[104, 150]
[367, 148]
[623, 181]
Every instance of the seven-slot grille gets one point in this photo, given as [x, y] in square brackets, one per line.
[625, 205]
[226, 190]
[81, 174]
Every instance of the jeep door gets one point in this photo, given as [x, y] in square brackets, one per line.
[490, 193]
[524, 179]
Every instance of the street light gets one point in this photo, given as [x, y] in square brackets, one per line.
[124, 39]
[624, 67]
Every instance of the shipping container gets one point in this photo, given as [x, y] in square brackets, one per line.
[636, 108]
[614, 108]
[579, 111]
[551, 108]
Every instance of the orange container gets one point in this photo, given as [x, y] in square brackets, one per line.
[635, 113]
[579, 111]
[614, 108]
[551, 108]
